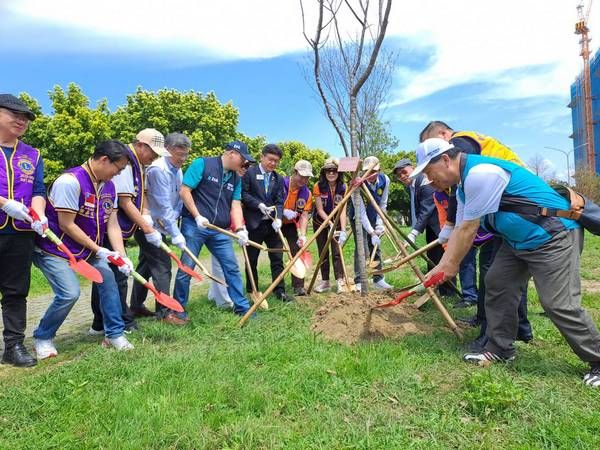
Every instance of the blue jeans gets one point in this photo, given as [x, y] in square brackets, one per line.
[65, 286]
[220, 246]
[467, 275]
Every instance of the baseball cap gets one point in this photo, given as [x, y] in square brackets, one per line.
[427, 150]
[154, 139]
[242, 149]
[9, 101]
[404, 162]
[304, 168]
[371, 162]
[331, 163]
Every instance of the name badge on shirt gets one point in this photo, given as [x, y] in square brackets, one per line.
[260, 176]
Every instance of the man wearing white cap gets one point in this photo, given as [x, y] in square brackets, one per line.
[378, 185]
[297, 207]
[510, 201]
[148, 145]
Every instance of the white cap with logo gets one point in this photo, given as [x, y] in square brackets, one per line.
[427, 150]
[154, 139]
[304, 168]
[371, 162]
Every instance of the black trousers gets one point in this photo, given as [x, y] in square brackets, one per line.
[338, 270]
[121, 279]
[16, 252]
[290, 232]
[154, 263]
[265, 233]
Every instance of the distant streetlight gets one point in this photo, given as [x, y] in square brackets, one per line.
[566, 153]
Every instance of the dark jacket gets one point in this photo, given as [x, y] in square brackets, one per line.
[425, 207]
[253, 193]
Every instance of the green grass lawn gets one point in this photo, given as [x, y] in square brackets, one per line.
[275, 384]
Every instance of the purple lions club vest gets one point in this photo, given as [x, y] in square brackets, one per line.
[331, 201]
[127, 226]
[16, 180]
[303, 195]
[95, 207]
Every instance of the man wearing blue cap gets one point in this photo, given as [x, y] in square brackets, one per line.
[212, 193]
[499, 196]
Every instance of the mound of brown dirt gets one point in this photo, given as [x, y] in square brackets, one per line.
[349, 318]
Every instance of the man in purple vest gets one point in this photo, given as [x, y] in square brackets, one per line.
[148, 145]
[82, 209]
[21, 187]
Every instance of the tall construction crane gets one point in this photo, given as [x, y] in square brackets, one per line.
[581, 28]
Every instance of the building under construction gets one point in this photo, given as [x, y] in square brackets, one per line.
[578, 115]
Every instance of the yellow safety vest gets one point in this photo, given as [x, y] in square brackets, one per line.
[489, 146]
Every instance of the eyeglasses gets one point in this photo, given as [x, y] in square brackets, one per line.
[118, 166]
[247, 165]
[331, 171]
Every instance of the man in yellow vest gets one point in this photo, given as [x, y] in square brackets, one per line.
[473, 142]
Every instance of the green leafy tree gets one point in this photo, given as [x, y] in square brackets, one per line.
[399, 200]
[294, 151]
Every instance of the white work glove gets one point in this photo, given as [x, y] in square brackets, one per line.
[202, 222]
[290, 214]
[342, 237]
[17, 210]
[242, 237]
[127, 267]
[38, 225]
[445, 233]
[148, 219]
[276, 225]
[379, 230]
[154, 238]
[412, 236]
[375, 240]
[266, 210]
[178, 241]
[301, 241]
[104, 253]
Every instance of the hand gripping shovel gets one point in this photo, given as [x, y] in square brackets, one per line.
[161, 297]
[202, 268]
[80, 266]
[182, 266]
[418, 288]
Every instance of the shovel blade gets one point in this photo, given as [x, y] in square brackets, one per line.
[306, 258]
[86, 270]
[299, 269]
[192, 273]
[168, 301]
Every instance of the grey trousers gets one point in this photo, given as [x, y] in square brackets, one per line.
[555, 270]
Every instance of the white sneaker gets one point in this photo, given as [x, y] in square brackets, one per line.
[44, 348]
[93, 332]
[357, 287]
[341, 286]
[381, 284]
[323, 286]
[120, 343]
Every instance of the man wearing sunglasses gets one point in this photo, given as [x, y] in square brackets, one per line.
[212, 194]
[147, 146]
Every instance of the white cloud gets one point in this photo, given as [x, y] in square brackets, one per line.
[471, 41]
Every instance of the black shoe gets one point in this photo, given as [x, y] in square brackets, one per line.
[18, 356]
[300, 292]
[473, 321]
[464, 304]
[478, 345]
[131, 328]
[284, 297]
[527, 338]
[141, 311]
[485, 357]
[592, 378]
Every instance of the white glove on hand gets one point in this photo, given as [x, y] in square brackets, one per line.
[202, 222]
[104, 253]
[266, 210]
[276, 225]
[179, 241]
[38, 225]
[148, 219]
[445, 233]
[127, 267]
[154, 238]
[301, 241]
[290, 214]
[379, 230]
[342, 237]
[412, 236]
[242, 237]
[17, 210]
[375, 240]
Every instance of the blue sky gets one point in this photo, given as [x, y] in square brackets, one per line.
[476, 65]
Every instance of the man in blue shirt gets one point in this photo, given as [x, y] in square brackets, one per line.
[547, 248]
[212, 193]
[21, 187]
[162, 210]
